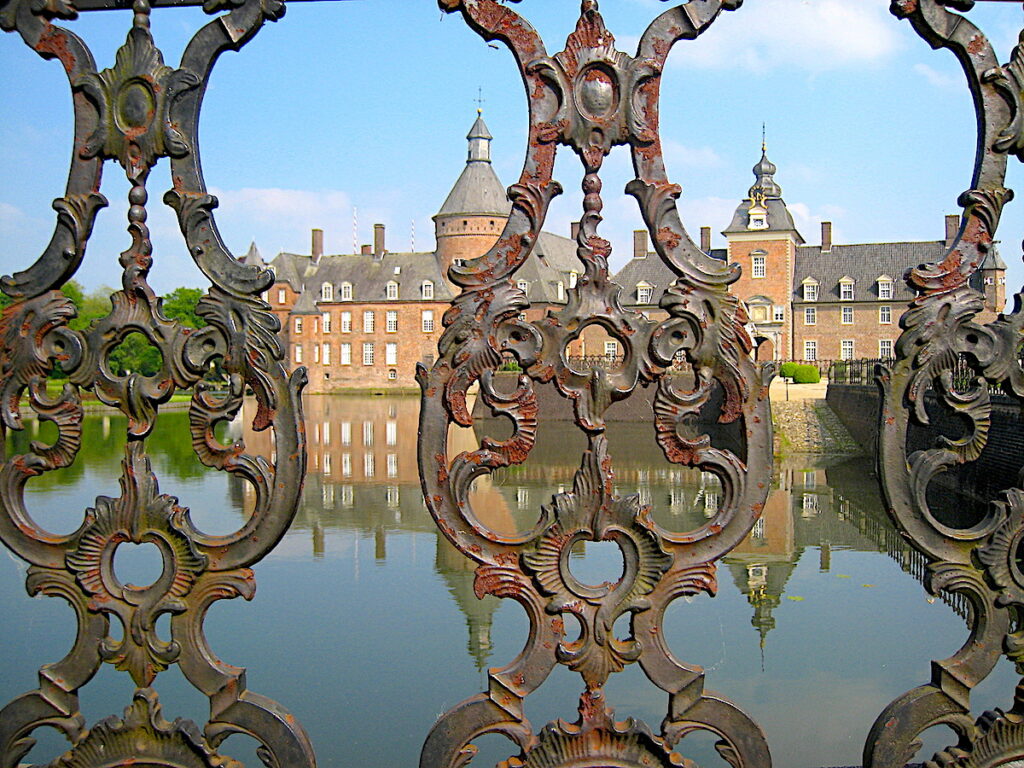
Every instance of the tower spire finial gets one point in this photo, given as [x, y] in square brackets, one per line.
[764, 140]
[480, 101]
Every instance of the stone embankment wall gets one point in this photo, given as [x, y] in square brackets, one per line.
[810, 426]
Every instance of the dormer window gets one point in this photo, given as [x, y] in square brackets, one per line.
[885, 287]
[758, 264]
[523, 286]
[574, 277]
[391, 290]
[346, 291]
[327, 292]
[561, 291]
[427, 290]
[810, 288]
[846, 289]
[644, 293]
[758, 221]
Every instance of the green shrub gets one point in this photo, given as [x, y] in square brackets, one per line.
[807, 374]
[787, 370]
[510, 364]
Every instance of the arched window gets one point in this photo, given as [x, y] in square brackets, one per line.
[427, 290]
[327, 292]
[391, 290]
[346, 291]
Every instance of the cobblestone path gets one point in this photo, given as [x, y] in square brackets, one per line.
[810, 426]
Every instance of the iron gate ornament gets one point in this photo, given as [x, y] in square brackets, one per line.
[592, 97]
[137, 112]
[984, 562]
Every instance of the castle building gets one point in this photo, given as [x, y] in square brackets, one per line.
[362, 321]
[809, 302]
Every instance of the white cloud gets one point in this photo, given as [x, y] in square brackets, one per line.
[282, 218]
[816, 36]
[940, 79]
[690, 157]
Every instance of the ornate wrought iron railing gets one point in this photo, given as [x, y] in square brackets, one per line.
[590, 97]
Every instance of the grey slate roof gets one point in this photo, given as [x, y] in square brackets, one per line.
[552, 261]
[253, 257]
[369, 276]
[779, 218]
[653, 271]
[865, 263]
[478, 190]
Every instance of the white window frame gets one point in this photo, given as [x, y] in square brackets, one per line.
[297, 325]
[369, 465]
[574, 277]
[327, 292]
[611, 349]
[325, 322]
[346, 291]
[885, 315]
[392, 463]
[282, 296]
[369, 321]
[427, 320]
[427, 290]
[885, 348]
[524, 286]
[391, 290]
[316, 352]
[779, 313]
[644, 293]
[758, 266]
[367, 433]
[391, 321]
[846, 316]
[346, 322]
[368, 353]
[810, 315]
[391, 433]
[325, 356]
[885, 290]
[391, 353]
[298, 353]
[846, 290]
[810, 350]
[345, 356]
[810, 291]
[846, 349]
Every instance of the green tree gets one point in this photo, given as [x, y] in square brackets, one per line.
[180, 305]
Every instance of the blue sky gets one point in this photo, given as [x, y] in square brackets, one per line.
[365, 104]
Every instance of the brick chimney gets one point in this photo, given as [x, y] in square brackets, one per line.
[366, 250]
[378, 240]
[574, 230]
[952, 227]
[640, 244]
[317, 245]
[826, 237]
[705, 239]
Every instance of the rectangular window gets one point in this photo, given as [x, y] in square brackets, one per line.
[393, 467]
[644, 295]
[758, 267]
[810, 351]
[611, 348]
[884, 289]
[391, 433]
[810, 315]
[346, 433]
[326, 354]
[427, 290]
[346, 322]
[346, 354]
[779, 314]
[427, 319]
[316, 353]
[346, 291]
[282, 297]
[846, 349]
[368, 465]
[885, 349]
[327, 433]
[327, 463]
[885, 315]
[390, 354]
[368, 354]
[298, 353]
[346, 467]
[367, 433]
[368, 321]
[325, 322]
[391, 291]
[347, 494]
[391, 326]
[298, 325]
[846, 291]
[810, 292]
[847, 315]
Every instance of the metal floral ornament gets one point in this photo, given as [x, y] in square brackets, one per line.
[591, 97]
[138, 112]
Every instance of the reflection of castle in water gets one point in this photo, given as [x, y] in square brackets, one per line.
[363, 477]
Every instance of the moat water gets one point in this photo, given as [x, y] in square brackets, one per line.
[365, 624]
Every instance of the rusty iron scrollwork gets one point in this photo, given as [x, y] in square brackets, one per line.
[985, 561]
[136, 112]
[592, 98]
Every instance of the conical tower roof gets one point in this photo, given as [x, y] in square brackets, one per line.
[478, 192]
